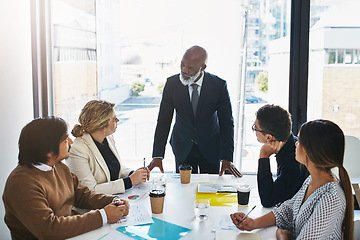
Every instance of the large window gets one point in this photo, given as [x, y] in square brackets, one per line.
[266, 71]
[334, 69]
[123, 51]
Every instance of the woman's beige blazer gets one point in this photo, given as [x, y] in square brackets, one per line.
[87, 163]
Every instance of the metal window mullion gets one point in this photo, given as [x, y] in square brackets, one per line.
[299, 56]
[40, 39]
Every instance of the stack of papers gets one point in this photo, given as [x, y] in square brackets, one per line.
[215, 188]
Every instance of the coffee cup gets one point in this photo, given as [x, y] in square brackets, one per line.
[185, 173]
[243, 194]
[157, 201]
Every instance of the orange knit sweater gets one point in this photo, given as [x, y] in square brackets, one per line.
[38, 204]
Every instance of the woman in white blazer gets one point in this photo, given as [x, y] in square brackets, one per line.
[93, 155]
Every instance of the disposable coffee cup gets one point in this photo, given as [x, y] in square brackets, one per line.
[243, 194]
[185, 173]
[157, 201]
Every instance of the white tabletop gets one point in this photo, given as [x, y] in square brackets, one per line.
[179, 207]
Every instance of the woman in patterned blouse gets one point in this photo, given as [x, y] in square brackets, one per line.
[323, 207]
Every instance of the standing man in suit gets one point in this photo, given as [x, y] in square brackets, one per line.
[203, 134]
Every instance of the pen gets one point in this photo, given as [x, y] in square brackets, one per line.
[226, 191]
[248, 213]
[144, 164]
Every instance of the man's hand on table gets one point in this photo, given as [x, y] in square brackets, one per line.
[227, 165]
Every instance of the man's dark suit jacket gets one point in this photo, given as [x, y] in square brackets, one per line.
[212, 129]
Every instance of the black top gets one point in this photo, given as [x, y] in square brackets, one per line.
[112, 162]
[290, 176]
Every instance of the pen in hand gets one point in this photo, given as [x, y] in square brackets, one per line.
[118, 202]
[247, 214]
[144, 164]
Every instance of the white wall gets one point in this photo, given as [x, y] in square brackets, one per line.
[16, 107]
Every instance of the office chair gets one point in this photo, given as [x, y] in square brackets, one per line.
[352, 156]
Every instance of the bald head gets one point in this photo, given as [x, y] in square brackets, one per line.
[193, 64]
[196, 53]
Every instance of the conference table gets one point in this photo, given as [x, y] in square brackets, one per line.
[179, 207]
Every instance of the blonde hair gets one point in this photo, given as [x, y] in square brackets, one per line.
[95, 116]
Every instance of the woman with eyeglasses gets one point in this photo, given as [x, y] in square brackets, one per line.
[323, 207]
[93, 156]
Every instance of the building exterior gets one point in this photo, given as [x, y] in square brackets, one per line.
[334, 67]
[74, 56]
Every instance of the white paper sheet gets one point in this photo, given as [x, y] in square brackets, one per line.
[137, 216]
[213, 188]
[231, 235]
[136, 193]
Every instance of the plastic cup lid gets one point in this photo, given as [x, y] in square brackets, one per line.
[157, 193]
[185, 167]
[243, 188]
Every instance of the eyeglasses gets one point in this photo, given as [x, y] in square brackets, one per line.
[257, 130]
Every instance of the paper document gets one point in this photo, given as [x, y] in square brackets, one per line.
[215, 188]
[225, 223]
[231, 235]
[226, 230]
[136, 192]
[137, 216]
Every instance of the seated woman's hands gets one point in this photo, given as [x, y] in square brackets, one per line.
[117, 209]
[140, 175]
[248, 224]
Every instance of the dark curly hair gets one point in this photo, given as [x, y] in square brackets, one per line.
[275, 120]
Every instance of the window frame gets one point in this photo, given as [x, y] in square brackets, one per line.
[299, 56]
[298, 67]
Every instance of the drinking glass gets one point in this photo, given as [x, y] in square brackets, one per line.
[202, 208]
[159, 183]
